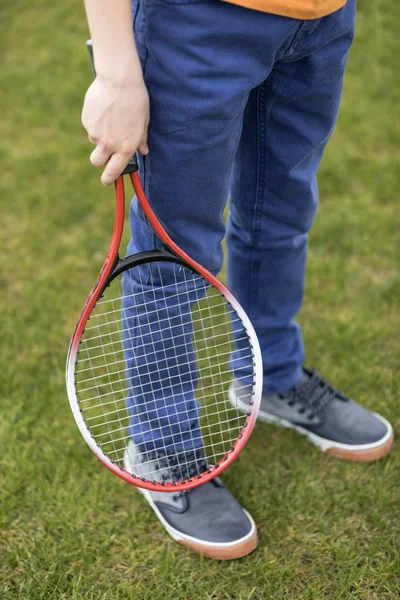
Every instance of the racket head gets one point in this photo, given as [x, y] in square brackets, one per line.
[151, 387]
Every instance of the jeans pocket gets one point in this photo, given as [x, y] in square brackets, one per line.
[139, 20]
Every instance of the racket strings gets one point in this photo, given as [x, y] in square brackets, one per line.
[151, 373]
[155, 363]
[181, 414]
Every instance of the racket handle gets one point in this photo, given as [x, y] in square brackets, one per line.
[132, 165]
[89, 47]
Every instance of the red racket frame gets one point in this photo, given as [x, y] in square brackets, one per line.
[105, 272]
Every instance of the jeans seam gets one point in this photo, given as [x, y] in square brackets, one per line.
[262, 119]
[296, 39]
[261, 162]
[256, 227]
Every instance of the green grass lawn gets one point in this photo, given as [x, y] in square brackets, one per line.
[71, 530]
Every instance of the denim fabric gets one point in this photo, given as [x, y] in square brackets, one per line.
[160, 355]
[242, 105]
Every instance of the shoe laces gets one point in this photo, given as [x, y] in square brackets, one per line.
[182, 466]
[313, 394]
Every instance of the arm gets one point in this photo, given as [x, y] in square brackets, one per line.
[116, 108]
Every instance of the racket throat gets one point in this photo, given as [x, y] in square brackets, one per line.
[167, 249]
[123, 264]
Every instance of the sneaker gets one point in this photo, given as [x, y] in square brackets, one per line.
[337, 425]
[207, 519]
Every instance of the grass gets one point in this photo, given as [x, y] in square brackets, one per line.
[69, 529]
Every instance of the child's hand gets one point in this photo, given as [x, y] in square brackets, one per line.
[116, 116]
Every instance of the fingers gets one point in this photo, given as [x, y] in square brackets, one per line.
[115, 161]
[100, 155]
[143, 147]
[114, 168]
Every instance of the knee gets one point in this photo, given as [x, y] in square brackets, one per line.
[205, 249]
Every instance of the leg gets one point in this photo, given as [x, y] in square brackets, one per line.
[200, 62]
[288, 121]
[287, 124]
[198, 84]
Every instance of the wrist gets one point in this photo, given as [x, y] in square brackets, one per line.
[120, 78]
[119, 70]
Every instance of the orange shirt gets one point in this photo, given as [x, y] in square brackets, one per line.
[297, 9]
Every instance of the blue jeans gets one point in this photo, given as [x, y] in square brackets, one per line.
[242, 105]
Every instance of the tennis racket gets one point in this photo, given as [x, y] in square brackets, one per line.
[156, 348]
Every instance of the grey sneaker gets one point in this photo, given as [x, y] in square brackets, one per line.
[337, 425]
[206, 519]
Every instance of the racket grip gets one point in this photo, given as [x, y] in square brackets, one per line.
[132, 165]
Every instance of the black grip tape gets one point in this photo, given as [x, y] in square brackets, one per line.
[132, 165]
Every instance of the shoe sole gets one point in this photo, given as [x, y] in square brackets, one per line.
[223, 551]
[359, 453]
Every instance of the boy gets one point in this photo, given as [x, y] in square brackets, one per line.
[244, 97]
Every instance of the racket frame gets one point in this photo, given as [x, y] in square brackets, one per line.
[112, 267]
